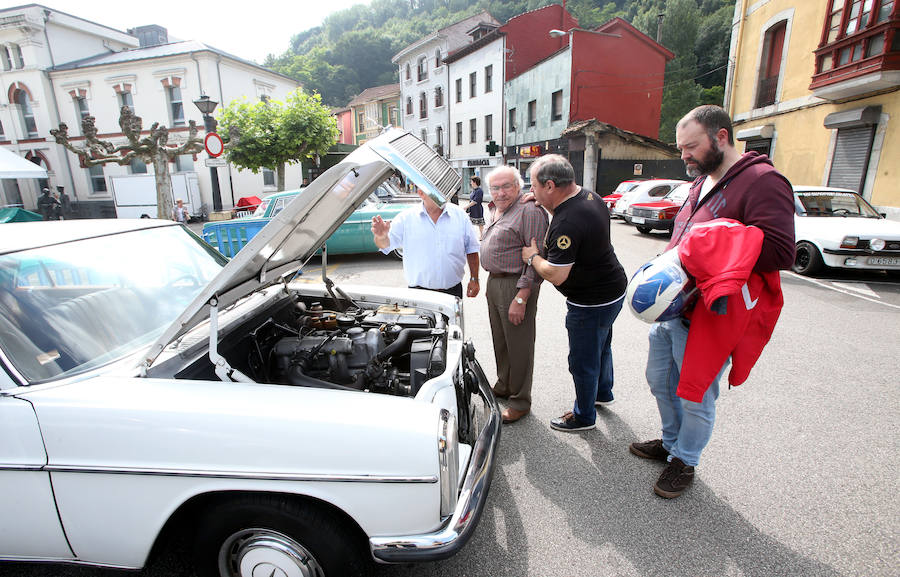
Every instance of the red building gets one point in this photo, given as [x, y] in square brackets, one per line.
[344, 118]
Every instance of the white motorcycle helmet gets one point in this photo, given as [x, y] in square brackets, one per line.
[660, 290]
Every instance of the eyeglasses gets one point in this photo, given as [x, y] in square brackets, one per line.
[505, 186]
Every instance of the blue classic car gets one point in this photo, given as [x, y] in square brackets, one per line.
[352, 237]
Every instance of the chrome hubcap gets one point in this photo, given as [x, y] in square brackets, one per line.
[266, 553]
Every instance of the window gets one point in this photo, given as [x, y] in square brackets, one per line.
[858, 16]
[425, 135]
[2, 134]
[852, 150]
[512, 120]
[98, 182]
[532, 113]
[489, 127]
[854, 30]
[423, 106]
[7, 59]
[459, 89]
[473, 83]
[360, 121]
[760, 145]
[556, 105]
[17, 56]
[439, 136]
[268, 177]
[125, 99]
[438, 97]
[408, 74]
[26, 114]
[488, 78]
[770, 65]
[176, 107]
[138, 166]
[422, 69]
[81, 107]
[392, 116]
[409, 105]
[184, 163]
[437, 58]
[459, 134]
[473, 130]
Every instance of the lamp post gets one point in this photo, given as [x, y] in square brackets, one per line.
[206, 107]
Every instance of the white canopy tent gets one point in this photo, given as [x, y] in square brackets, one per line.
[14, 166]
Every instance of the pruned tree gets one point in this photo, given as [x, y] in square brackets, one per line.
[270, 134]
[153, 149]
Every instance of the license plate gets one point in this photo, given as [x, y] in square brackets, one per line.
[884, 260]
[637, 219]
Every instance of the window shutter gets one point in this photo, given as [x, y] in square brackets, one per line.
[851, 157]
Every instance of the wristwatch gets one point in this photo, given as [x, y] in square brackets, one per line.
[520, 301]
[531, 258]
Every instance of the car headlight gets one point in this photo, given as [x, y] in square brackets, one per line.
[448, 460]
[850, 242]
[876, 244]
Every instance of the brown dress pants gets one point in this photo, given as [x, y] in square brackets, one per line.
[513, 345]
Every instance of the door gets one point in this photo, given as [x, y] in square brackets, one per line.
[29, 526]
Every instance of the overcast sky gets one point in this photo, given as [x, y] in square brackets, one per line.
[244, 31]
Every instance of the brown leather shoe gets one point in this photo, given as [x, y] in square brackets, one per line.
[512, 415]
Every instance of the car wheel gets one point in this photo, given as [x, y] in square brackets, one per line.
[808, 260]
[397, 253]
[643, 229]
[272, 535]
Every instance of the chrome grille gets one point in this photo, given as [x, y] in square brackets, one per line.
[434, 167]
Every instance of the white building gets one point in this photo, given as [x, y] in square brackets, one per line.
[62, 68]
[424, 80]
[476, 103]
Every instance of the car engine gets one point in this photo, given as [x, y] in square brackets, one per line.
[391, 350]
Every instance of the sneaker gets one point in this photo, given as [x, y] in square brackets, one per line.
[650, 450]
[605, 403]
[674, 480]
[569, 423]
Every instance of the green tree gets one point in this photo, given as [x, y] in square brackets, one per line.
[272, 134]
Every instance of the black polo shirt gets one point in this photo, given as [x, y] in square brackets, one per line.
[579, 235]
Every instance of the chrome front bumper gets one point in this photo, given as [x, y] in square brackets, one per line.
[456, 530]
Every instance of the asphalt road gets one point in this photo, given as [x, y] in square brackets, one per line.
[800, 478]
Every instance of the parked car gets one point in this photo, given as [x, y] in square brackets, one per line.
[644, 192]
[353, 236]
[623, 187]
[660, 214]
[151, 389]
[838, 228]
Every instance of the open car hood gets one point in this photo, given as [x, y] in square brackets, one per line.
[298, 231]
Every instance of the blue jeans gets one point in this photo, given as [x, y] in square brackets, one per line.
[686, 426]
[590, 355]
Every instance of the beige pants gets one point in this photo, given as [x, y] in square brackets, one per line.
[513, 345]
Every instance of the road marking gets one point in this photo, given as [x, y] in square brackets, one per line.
[858, 287]
[314, 275]
[840, 290]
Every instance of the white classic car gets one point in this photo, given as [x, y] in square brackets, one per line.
[151, 389]
[836, 227]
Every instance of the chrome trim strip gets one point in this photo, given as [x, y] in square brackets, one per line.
[256, 476]
[16, 467]
[455, 531]
[64, 561]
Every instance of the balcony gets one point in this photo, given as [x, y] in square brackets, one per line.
[859, 64]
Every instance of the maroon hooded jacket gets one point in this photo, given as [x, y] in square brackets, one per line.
[753, 193]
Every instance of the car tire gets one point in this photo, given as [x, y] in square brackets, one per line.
[643, 229]
[808, 259]
[286, 535]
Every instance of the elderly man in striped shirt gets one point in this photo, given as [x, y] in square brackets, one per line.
[512, 288]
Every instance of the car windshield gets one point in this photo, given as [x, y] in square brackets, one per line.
[70, 307]
[829, 203]
[680, 193]
[261, 209]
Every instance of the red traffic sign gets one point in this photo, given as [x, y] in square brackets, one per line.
[213, 144]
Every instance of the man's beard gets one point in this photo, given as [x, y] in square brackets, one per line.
[708, 164]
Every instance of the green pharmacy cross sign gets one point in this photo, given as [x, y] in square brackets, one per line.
[492, 148]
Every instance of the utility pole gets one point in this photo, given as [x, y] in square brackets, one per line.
[659, 21]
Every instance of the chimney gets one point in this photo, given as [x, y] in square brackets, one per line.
[150, 35]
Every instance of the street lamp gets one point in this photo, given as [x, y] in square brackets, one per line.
[206, 107]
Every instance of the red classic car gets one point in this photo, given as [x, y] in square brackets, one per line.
[659, 214]
[611, 198]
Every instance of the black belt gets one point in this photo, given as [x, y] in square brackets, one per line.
[504, 274]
